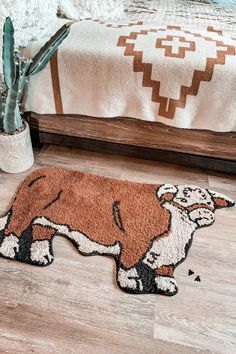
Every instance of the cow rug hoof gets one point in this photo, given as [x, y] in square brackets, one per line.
[166, 285]
[40, 253]
[130, 281]
[9, 246]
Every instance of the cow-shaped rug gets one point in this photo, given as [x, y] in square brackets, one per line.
[147, 228]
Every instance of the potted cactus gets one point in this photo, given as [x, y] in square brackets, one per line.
[16, 153]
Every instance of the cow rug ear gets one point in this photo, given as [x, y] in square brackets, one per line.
[166, 192]
[221, 200]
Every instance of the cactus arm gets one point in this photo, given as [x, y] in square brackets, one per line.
[41, 59]
[12, 118]
[1, 112]
[8, 56]
[23, 78]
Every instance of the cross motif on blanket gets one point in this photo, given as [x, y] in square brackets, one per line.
[214, 51]
[175, 46]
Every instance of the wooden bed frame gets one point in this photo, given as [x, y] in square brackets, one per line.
[132, 137]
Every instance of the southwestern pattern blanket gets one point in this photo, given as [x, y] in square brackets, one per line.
[157, 66]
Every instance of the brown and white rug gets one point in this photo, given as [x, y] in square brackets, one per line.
[147, 228]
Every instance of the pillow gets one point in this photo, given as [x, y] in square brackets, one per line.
[206, 1]
[91, 9]
[31, 18]
[225, 2]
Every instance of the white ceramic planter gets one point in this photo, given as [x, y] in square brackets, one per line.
[16, 153]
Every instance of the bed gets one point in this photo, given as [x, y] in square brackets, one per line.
[159, 83]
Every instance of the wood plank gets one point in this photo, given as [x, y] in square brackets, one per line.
[210, 163]
[139, 133]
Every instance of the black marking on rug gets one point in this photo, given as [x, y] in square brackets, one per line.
[197, 278]
[147, 276]
[25, 241]
[2, 232]
[154, 256]
[117, 216]
[186, 249]
[190, 272]
[35, 180]
[1, 237]
[54, 200]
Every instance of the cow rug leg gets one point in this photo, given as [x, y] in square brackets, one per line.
[129, 280]
[41, 247]
[33, 246]
[166, 285]
[40, 252]
[134, 280]
[165, 281]
[9, 245]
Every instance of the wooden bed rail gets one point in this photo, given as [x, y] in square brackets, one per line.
[136, 133]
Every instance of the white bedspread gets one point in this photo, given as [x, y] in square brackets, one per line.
[170, 61]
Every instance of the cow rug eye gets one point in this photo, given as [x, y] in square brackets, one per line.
[147, 228]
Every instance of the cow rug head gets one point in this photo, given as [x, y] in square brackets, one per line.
[147, 228]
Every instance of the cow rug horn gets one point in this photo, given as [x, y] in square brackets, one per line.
[147, 228]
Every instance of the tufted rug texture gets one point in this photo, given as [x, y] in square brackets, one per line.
[147, 228]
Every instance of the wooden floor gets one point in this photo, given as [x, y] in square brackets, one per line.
[75, 306]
